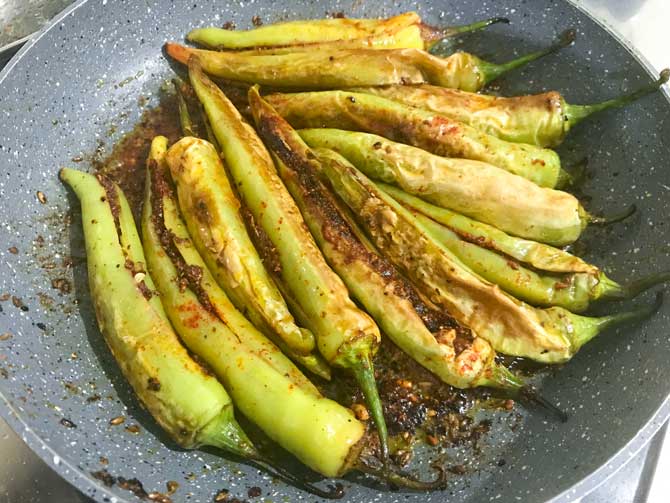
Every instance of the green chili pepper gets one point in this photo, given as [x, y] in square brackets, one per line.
[355, 67]
[346, 336]
[264, 384]
[191, 405]
[388, 297]
[512, 327]
[432, 132]
[312, 361]
[474, 188]
[542, 119]
[572, 291]
[402, 31]
[211, 210]
[305, 32]
[430, 336]
[539, 257]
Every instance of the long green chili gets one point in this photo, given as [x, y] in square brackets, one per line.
[542, 119]
[346, 336]
[511, 326]
[355, 67]
[190, 405]
[537, 255]
[424, 129]
[211, 210]
[398, 32]
[473, 188]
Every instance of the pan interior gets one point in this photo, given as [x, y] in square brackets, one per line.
[85, 83]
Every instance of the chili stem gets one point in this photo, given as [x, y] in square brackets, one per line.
[593, 326]
[492, 71]
[617, 217]
[334, 491]
[636, 287]
[576, 113]
[184, 115]
[433, 36]
[402, 479]
[503, 378]
[364, 373]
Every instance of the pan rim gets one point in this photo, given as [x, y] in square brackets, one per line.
[87, 485]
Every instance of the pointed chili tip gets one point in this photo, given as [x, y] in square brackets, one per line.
[531, 394]
[617, 217]
[492, 71]
[503, 20]
[567, 37]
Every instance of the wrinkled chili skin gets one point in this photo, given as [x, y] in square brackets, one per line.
[189, 275]
[338, 231]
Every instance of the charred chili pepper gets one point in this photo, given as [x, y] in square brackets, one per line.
[474, 188]
[374, 282]
[542, 119]
[424, 129]
[211, 210]
[190, 405]
[449, 350]
[512, 327]
[306, 32]
[554, 278]
[355, 67]
[537, 255]
[265, 385]
[346, 336]
[402, 31]
[216, 331]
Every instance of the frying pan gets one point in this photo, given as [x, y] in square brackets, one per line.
[75, 89]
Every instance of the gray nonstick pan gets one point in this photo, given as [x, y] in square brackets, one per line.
[85, 81]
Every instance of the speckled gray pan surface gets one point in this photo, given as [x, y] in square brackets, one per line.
[80, 83]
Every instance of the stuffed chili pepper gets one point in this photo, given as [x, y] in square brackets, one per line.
[212, 212]
[398, 32]
[354, 67]
[541, 119]
[512, 327]
[345, 335]
[424, 129]
[537, 273]
[190, 404]
[479, 190]
[265, 385]
[430, 336]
